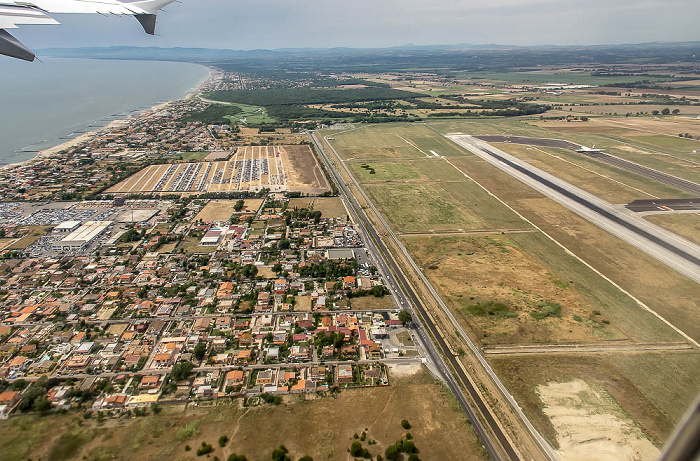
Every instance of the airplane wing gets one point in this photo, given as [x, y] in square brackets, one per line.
[16, 13]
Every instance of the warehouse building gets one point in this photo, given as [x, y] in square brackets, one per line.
[82, 236]
[67, 226]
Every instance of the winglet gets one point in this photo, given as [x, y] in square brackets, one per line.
[148, 21]
[151, 7]
[10, 46]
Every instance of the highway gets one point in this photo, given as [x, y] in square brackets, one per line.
[404, 292]
[676, 252]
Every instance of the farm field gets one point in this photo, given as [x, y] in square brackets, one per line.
[439, 428]
[251, 168]
[562, 76]
[684, 224]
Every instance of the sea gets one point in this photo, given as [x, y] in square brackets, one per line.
[44, 104]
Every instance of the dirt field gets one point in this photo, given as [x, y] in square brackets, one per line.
[322, 428]
[588, 420]
[524, 375]
[251, 168]
[330, 207]
[684, 224]
[222, 210]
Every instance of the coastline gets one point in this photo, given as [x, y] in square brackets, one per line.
[52, 151]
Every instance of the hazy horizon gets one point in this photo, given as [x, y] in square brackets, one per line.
[279, 24]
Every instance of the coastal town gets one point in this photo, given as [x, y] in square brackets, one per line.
[124, 297]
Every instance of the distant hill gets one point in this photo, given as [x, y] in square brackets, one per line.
[463, 56]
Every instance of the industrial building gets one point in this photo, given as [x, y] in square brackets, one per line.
[212, 237]
[67, 226]
[82, 236]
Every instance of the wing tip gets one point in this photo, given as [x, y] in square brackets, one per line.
[148, 22]
[10, 46]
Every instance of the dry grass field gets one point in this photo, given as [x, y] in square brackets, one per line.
[605, 181]
[330, 207]
[34, 233]
[670, 294]
[684, 224]
[497, 288]
[523, 375]
[322, 428]
[222, 210]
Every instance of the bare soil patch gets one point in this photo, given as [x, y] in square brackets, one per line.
[591, 425]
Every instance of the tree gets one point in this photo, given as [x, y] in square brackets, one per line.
[654, 112]
[199, 350]
[405, 317]
[356, 449]
[235, 457]
[223, 440]
[676, 111]
[405, 424]
[306, 458]
[280, 454]
[181, 370]
[392, 453]
[665, 111]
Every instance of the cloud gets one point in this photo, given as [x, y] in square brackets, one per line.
[249, 24]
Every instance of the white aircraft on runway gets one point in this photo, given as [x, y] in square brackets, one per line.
[16, 13]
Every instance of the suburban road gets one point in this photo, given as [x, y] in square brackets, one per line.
[404, 292]
[676, 252]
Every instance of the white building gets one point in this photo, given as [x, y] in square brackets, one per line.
[83, 236]
[67, 226]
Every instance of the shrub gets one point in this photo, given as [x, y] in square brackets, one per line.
[188, 431]
[547, 310]
[235, 457]
[205, 449]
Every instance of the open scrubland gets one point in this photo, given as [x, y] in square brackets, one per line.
[323, 428]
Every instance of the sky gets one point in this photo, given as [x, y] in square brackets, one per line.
[271, 24]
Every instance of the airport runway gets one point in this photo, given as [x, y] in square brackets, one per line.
[665, 246]
[632, 167]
